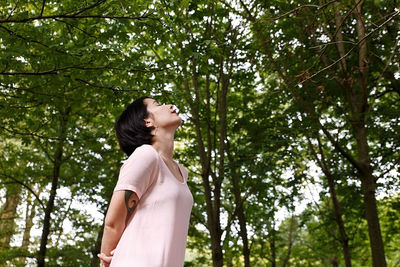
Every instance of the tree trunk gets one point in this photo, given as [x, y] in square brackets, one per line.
[96, 250]
[212, 207]
[239, 209]
[334, 261]
[242, 220]
[273, 249]
[358, 100]
[30, 214]
[368, 189]
[213, 224]
[291, 239]
[338, 216]
[53, 191]
[8, 214]
[322, 162]
[95, 261]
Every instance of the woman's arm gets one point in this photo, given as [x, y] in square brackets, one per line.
[122, 205]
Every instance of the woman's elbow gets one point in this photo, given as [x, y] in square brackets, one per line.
[114, 225]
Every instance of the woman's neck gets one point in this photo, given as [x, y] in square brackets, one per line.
[164, 144]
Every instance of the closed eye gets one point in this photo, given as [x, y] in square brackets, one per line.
[157, 104]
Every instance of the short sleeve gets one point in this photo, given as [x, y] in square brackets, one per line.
[139, 171]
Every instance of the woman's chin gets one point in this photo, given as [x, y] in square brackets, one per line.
[179, 120]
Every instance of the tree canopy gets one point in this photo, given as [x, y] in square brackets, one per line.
[290, 127]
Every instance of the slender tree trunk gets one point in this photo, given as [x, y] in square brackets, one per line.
[212, 177]
[222, 109]
[242, 220]
[8, 214]
[61, 220]
[290, 241]
[96, 250]
[334, 261]
[322, 162]
[213, 224]
[239, 209]
[53, 191]
[212, 207]
[272, 246]
[338, 216]
[30, 214]
[95, 261]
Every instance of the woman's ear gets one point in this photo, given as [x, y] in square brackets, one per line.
[148, 122]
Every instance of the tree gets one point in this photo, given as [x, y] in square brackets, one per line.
[346, 80]
[252, 80]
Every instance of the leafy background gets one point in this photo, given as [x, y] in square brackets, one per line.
[290, 133]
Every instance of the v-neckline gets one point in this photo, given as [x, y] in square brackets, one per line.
[179, 168]
[170, 172]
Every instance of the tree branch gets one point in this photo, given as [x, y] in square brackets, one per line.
[75, 17]
[318, 7]
[283, 75]
[98, 3]
[43, 4]
[34, 135]
[11, 32]
[351, 49]
[27, 187]
[76, 27]
[81, 67]
[106, 87]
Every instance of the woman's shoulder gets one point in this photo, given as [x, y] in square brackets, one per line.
[144, 152]
[145, 148]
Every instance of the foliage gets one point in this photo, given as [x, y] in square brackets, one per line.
[251, 91]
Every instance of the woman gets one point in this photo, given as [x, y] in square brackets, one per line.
[148, 217]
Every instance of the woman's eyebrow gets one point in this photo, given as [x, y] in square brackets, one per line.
[155, 102]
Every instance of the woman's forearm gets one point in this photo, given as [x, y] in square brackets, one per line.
[111, 237]
[122, 205]
[114, 224]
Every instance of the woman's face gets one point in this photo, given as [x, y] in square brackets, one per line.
[164, 116]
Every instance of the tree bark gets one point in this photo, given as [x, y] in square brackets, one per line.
[358, 99]
[8, 214]
[210, 144]
[338, 216]
[368, 189]
[94, 262]
[30, 214]
[53, 191]
[291, 239]
[272, 246]
[213, 224]
[344, 240]
[239, 209]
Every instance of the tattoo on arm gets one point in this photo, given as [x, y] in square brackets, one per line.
[130, 203]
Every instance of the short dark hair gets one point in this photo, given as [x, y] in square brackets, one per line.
[131, 129]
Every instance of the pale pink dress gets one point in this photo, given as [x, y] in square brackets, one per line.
[156, 235]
